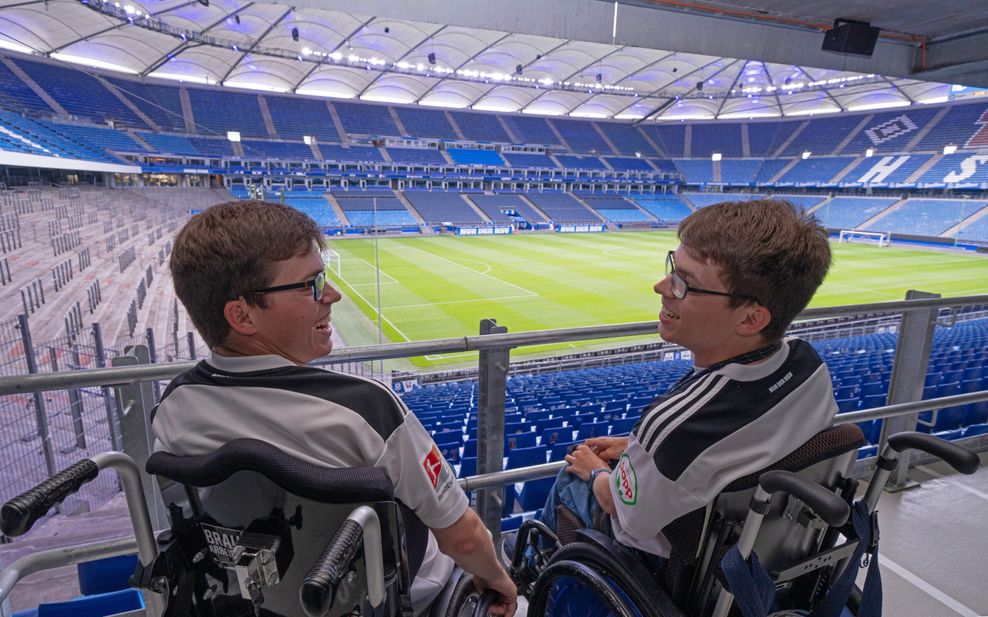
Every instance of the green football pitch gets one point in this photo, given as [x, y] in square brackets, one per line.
[442, 286]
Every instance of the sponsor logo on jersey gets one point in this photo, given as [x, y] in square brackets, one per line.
[626, 481]
[221, 542]
[438, 471]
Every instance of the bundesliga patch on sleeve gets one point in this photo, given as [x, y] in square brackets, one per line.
[626, 481]
[438, 472]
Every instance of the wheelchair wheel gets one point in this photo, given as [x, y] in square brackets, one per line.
[583, 580]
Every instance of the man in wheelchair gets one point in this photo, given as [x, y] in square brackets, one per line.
[742, 272]
[252, 278]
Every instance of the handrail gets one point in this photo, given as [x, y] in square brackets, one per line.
[20, 384]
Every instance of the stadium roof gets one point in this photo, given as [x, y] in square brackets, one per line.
[557, 57]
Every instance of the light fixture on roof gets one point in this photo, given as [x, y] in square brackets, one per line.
[806, 154]
[432, 57]
[949, 149]
[870, 152]
[716, 156]
[519, 69]
[204, 2]
[295, 34]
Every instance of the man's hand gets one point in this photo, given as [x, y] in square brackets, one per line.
[608, 448]
[507, 601]
[584, 460]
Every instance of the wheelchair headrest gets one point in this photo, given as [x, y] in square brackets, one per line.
[827, 444]
[341, 485]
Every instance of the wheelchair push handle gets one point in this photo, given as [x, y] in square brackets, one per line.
[960, 458]
[825, 503]
[319, 586]
[20, 513]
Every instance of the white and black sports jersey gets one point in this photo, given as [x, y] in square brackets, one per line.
[323, 417]
[711, 429]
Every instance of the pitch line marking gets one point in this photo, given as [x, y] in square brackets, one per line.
[872, 291]
[528, 292]
[927, 588]
[426, 304]
[374, 308]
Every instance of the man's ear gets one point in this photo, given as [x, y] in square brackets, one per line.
[239, 315]
[756, 319]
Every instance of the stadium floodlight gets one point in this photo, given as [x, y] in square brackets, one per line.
[806, 154]
[716, 156]
[949, 149]
[233, 135]
[870, 152]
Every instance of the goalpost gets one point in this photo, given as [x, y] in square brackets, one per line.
[868, 237]
[333, 262]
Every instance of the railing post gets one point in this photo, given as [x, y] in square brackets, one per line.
[40, 416]
[191, 339]
[135, 400]
[111, 423]
[75, 402]
[912, 358]
[492, 381]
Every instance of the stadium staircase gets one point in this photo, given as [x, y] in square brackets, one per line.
[844, 172]
[559, 136]
[337, 210]
[955, 230]
[782, 172]
[688, 142]
[716, 171]
[820, 205]
[127, 102]
[607, 140]
[316, 152]
[398, 123]
[140, 140]
[474, 207]
[411, 210]
[785, 146]
[337, 123]
[190, 118]
[745, 141]
[456, 127]
[531, 204]
[262, 103]
[33, 85]
[924, 131]
[925, 167]
[385, 154]
[869, 222]
[507, 130]
[865, 121]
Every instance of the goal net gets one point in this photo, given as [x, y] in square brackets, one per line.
[864, 237]
[333, 263]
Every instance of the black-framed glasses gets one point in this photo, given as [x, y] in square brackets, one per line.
[680, 287]
[317, 284]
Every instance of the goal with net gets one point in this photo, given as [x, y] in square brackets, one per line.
[333, 263]
[864, 237]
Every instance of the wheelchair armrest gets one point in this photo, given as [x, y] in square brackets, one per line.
[635, 568]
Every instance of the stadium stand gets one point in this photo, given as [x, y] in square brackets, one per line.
[964, 125]
[295, 117]
[617, 210]
[529, 130]
[580, 162]
[34, 137]
[170, 144]
[628, 164]
[480, 127]
[278, 150]
[926, 217]
[466, 156]
[890, 131]
[218, 111]
[208, 146]
[696, 171]
[426, 123]
[162, 104]
[80, 94]
[764, 138]
[722, 137]
[355, 154]
[850, 212]
[374, 209]
[740, 171]
[314, 204]
[417, 156]
[494, 206]
[769, 169]
[816, 170]
[956, 168]
[822, 135]
[627, 139]
[363, 119]
[581, 136]
[671, 138]
[976, 230]
[668, 208]
[96, 137]
[528, 160]
[438, 207]
[874, 170]
[803, 201]
[563, 208]
[16, 95]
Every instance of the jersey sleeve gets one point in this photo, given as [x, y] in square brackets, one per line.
[423, 479]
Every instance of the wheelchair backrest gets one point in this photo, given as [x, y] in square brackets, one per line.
[788, 532]
[248, 497]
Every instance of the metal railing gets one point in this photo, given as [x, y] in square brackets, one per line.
[131, 378]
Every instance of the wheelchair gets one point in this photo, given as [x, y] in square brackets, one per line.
[255, 532]
[795, 524]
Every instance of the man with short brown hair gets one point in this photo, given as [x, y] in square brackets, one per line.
[742, 272]
[252, 278]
